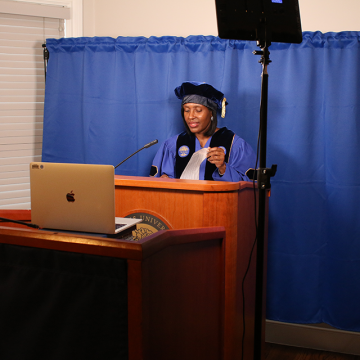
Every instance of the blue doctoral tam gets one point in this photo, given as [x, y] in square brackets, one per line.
[201, 93]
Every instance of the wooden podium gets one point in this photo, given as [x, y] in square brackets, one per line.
[189, 204]
[185, 287]
[171, 285]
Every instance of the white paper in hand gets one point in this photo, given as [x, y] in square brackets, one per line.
[191, 171]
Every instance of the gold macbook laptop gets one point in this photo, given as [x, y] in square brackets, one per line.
[75, 197]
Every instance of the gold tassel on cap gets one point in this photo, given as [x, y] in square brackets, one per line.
[223, 108]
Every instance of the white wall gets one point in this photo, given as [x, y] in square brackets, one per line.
[198, 17]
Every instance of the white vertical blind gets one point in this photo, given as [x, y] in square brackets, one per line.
[22, 88]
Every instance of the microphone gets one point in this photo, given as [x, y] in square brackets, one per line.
[144, 147]
[150, 144]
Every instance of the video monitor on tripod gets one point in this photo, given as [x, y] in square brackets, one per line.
[266, 20]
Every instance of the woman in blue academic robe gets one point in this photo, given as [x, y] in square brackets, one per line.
[203, 151]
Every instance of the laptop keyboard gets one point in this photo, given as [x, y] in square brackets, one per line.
[118, 226]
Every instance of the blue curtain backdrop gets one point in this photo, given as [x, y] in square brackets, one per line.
[106, 97]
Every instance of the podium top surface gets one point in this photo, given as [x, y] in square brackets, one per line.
[179, 184]
[14, 234]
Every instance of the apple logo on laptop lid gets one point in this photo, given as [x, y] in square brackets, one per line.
[70, 197]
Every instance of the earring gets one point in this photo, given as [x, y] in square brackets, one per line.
[212, 118]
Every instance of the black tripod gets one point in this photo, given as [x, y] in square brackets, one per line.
[263, 176]
[263, 21]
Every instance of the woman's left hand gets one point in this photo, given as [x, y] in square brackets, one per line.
[216, 156]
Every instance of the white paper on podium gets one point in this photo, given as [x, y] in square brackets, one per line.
[191, 171]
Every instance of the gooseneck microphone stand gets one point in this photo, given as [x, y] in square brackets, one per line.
[144, 147]
[263, 180]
